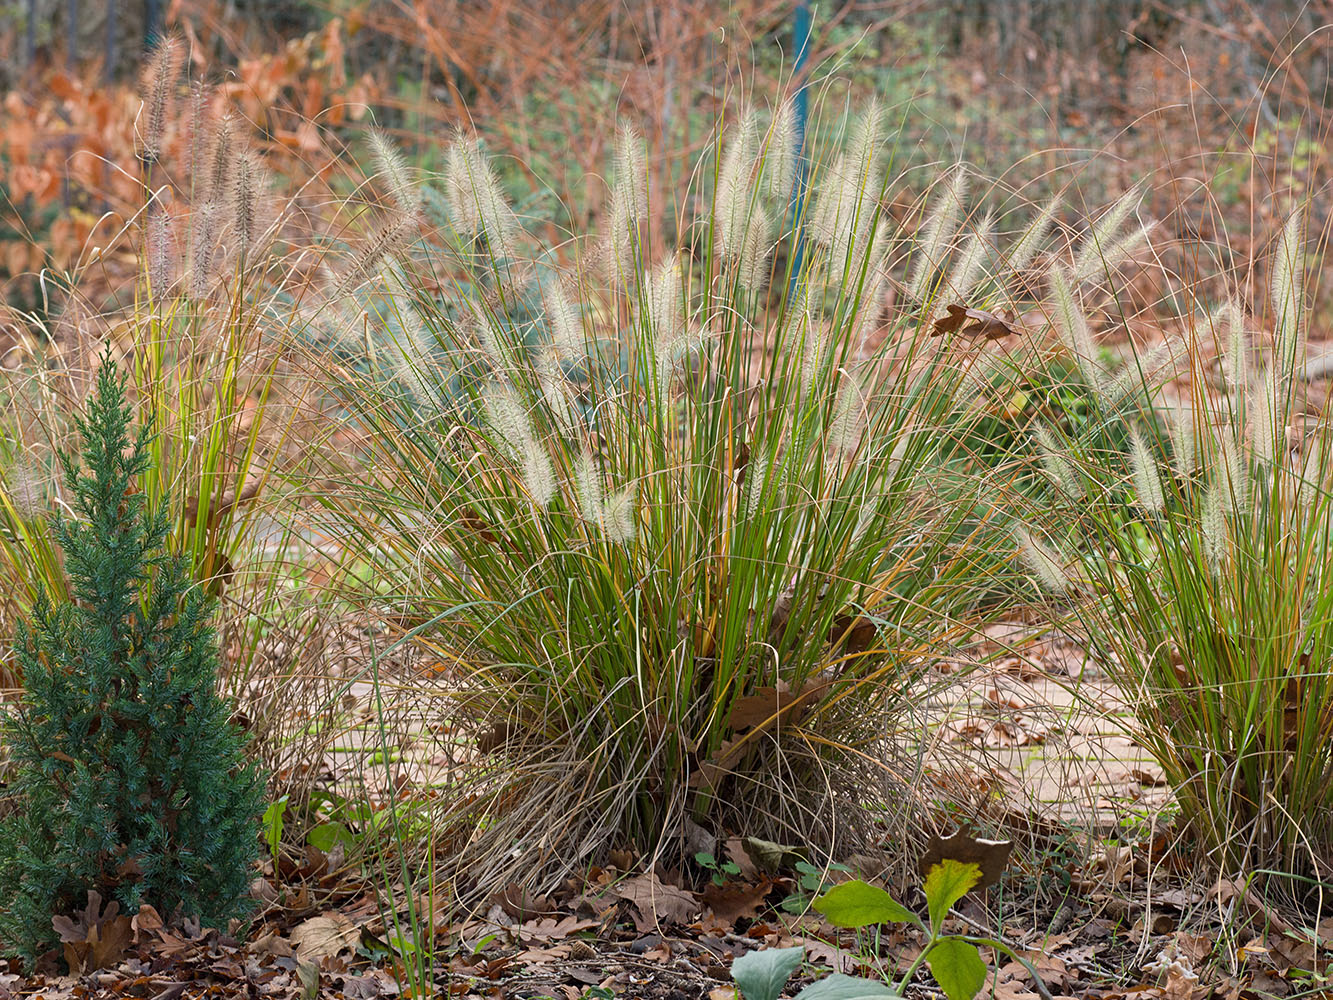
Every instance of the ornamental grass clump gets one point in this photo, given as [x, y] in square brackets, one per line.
[202, 330]
[682, 539]
[128, 779]
[1206, 587]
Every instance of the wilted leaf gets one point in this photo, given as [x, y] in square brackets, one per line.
[145, 921]
[96, 940]
[859, 904]
[771, 857]
[990, 856]
[970, 322]
[762, 974]
[328, 934]
[228, 502]
[655, 903]
[957, 967]
[733, 902]
[769, 706]
[857, 632]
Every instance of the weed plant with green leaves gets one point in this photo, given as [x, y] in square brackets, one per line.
[1206, 586]
[686, 547]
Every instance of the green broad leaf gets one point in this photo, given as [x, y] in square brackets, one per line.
[762, 974]
[958, 968]
[326, 835]
[272, 824]
[840, 987]
[858, 904]
[947, 883]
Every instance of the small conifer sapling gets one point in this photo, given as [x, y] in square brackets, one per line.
[128, 776]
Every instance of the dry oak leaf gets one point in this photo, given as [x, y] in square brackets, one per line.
[655, 903]
[327, 934]
[991, 856]
[770, 705]
[98, 939]
[733, 902]
[971, 322]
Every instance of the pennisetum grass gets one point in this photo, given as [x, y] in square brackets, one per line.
[685, 548]
[1205, 581]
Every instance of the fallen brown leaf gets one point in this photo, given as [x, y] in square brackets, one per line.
[991, 856]
[97, 940]
[732, 902]
[327, 934]
[655, 903]
[969, 322]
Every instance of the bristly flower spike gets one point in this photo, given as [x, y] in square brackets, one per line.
[160, 82]
[941, 221]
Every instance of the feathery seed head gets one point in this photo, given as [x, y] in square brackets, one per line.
[618, 515]
[1042, 561]
[864, 145]
[754, 489]
[1214, 528]
[1184, 446]
[1233, 471]
[157, 248]
[966, 271]
[25, 489]
[537, 471]
[1268, 416]
[632, 171]
[780, 159]
[753, 268]
[588, 487]
[476, 202]
[159, 91]
[666, 315]
[415, 345]
[845, 213]
[939, 226]
[849, 417]
[1074, 331]
[1236, 354]
[393, 170]
[556, 389]
[507, 417]
[565, 320]
[245, 203]
[199, 121]
[203, 247]
[222, 160]
[620, 249]
[1029, 243]
[814, 351]
[1056, 463]
[1099, 246]
[731, 204]
[391, 239]
[1147, 477]
[1287, 281]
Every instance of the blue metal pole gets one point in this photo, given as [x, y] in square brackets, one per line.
[801, 29]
